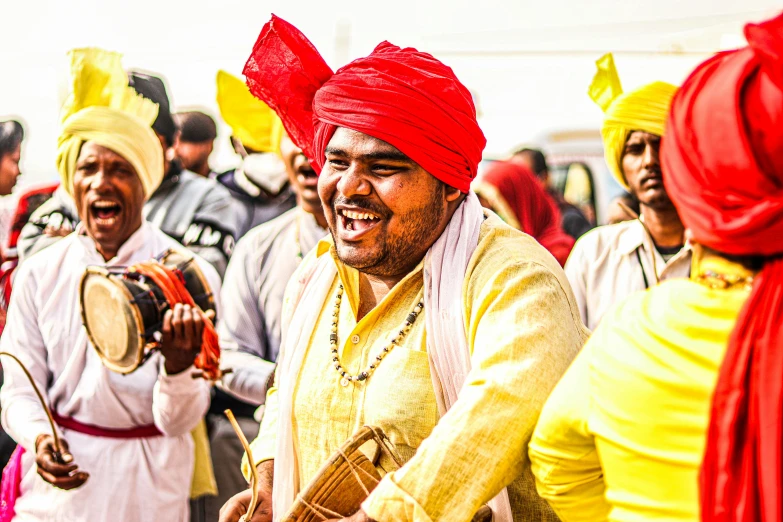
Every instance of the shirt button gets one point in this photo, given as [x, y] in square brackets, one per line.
[355, 339]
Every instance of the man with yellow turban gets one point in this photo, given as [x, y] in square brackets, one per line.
[609, 263]
[672, 411]
[260, 184]
[193, 210]
[128, 452]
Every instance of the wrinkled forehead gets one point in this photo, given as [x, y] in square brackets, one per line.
[358, 145]
[93, 150]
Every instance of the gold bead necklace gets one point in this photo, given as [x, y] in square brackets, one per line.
[363, 376]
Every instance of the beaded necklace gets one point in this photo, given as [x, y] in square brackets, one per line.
[362, 376]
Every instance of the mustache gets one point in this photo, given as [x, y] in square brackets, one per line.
[363, 204]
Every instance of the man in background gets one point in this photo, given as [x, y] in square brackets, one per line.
[611, 262]
[191, 209]
[259, 186]
[194, 141]
[573, 221]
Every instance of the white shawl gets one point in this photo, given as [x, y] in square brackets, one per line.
[445, 266]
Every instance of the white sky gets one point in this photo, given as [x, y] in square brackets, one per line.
[530, 62]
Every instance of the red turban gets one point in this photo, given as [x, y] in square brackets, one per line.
[401, 96]
[512, 188]
[723, 168]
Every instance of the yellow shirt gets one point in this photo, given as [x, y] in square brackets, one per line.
[523, 330]
[622, 436]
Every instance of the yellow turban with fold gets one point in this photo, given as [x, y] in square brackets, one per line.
[102, 108]
[252, 121]
[644, 109]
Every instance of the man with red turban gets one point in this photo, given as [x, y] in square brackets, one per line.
[673, 410]
[422, 314]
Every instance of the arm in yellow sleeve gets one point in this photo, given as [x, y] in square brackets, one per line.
[265, 444]
[563, 452]
[523, 334]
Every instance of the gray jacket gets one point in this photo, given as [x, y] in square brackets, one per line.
[196, 211]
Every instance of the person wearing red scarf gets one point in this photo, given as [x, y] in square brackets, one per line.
[674, 408]
[422, 314]
[512, 191]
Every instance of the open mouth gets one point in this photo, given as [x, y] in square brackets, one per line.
[356, 223]
[105, 212]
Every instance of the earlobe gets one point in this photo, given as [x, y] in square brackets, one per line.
[452, 194]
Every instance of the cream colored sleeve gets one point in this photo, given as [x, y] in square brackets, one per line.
[523, 334]
[563, 452]
[265, 444]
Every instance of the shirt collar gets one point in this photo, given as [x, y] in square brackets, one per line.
[350, 276]
[632, 237]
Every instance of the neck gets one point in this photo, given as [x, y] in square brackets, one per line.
[372, 290]
[664, 226]
[317, 212]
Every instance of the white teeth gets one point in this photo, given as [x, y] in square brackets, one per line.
[104, 204]
[350, 214]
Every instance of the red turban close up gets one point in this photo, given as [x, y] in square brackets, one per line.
[404, 97]
[723, 169]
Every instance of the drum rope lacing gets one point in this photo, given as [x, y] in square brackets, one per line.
[172, 283]
[381, 440]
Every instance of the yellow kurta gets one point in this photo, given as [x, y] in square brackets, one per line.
[523, 330]
[622, 436]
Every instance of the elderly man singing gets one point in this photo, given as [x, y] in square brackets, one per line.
[129, 454]
[422, 314]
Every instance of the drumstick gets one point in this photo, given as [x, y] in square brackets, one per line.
[57, 446]
[253, 471]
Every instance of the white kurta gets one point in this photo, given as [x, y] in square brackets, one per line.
[135, 479]
[249, 328]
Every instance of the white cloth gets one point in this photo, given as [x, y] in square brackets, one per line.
[446, 263]
[445, 266]
[252, 298]
[604, 269]
[136, 479]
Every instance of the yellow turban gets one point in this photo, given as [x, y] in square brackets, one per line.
[252, 121]
[644, 109]
[102, 108]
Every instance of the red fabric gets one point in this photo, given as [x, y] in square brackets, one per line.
[402, 96]
[723, 169]
[139, 432]
[535, 210]
[11, 488]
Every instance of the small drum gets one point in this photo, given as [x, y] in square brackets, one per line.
[348, 478]
[122, 309]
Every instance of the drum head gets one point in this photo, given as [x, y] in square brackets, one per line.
[113, 324]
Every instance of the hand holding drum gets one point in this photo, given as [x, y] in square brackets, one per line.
[181, 336]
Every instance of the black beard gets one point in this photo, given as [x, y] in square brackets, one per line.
[398, 254]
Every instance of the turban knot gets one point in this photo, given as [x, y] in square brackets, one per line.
[102, 108]
[643, 109]
[404, 97]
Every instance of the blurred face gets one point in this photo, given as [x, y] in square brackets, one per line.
[384, 211]
[194, 156]
[642, 170]
[9, 170]
[301, 175]
[109, 197]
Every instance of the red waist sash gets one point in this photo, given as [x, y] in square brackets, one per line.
[12, 474]
[139, 432]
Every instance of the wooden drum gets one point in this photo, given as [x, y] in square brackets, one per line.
[348, 477]
[122, 310]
